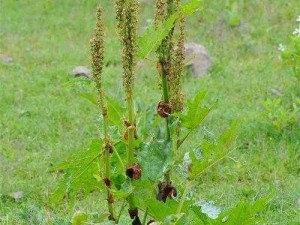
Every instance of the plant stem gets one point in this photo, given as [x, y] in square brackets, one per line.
[131, 140]
[166, 99]
[131, 129]
[145, 217]
[106, 156]
[183, 197]
[121, 210]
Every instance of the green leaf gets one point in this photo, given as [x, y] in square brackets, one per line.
[212, 153]
[244, 213]
[234, 17]
[92, 98]
[79, 218]
[153, 36]
[79, 171]
[124, 192]
[202, 218]
[157, 209]
[196, 112]
[174, 219]
[154, 159]
[115, 111]
[190, 8]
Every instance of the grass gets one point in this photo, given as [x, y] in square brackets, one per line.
[43, 119]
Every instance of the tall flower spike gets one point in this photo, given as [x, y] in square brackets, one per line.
[119, 6]
[128, 34]
[176, 71]
[127, 24]
[97, 51]
[160, 12]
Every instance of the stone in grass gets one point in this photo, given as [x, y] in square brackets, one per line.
[17, 195]
[297, 203]
[81, 71]
[5, 58]
[197, 59]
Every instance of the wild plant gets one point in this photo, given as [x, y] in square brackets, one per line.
[152, 177]
[283, 112]
[290, 53]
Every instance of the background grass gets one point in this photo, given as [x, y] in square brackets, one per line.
[43, 119]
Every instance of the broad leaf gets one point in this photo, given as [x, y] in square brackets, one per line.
[212, 153]
[200, 217]
[154, 158]
[90, 97]
[115, 109]
[159, 210]
[196, 112]
[79, 171]
[244, 213]
[79, 218]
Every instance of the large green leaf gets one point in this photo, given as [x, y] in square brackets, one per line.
[244, 213]
[154, 158]
[115, 108]
[79, 171]
[212, 153]
[115, 111]
[157, 209]
[79, 218]
[200, 217]
[196, 112]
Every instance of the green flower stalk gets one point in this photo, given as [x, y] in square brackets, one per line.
[97, 52]
[163, 10]
[170, 65]
[126, 13]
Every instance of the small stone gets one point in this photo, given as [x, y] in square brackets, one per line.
[297, 203]
[17, 195]
[197, 58]
[276, 91]
[5, 58]
[81, 71]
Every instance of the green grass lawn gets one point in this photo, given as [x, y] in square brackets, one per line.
[43, 119]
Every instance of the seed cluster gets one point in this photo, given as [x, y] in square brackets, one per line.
[171, 52]
[176, 70]
[127, 23]
[97, 52]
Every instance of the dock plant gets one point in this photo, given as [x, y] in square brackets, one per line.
[147, 179]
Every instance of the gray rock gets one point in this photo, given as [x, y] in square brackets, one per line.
[5, 58]
[197, 58]
[297, 202]
[81, 71]
[17, 195]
